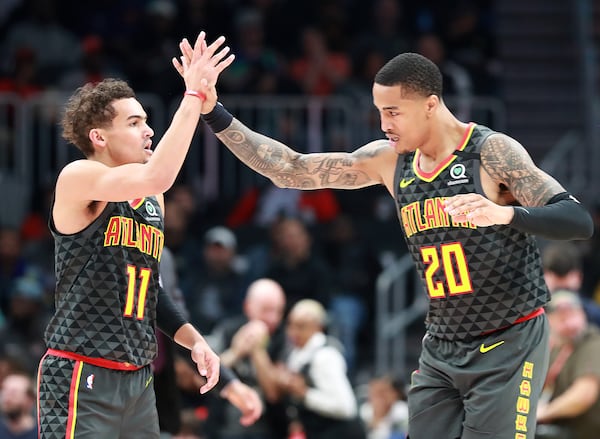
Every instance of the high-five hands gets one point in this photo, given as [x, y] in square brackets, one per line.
[201, 65]
[209, 81]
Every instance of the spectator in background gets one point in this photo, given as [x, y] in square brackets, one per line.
[265, 205]
[259, 69]
[354, 268]
[13, 264]
[238, 340]
[17, 407]
[93, 67]
[456, 79]
[22, 336]
[314, 378]
[562, 264]
[385, 413]
[572, 386]
[153, 44]
[218, 280]
[54, 47]
[293, 262]
[385, 32]
[22, 77]
[318, 70]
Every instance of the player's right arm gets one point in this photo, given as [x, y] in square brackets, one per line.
[369, 165]
[288, 168]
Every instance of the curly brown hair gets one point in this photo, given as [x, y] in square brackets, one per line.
[91, 107]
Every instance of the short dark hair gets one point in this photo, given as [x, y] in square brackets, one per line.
[91, 107]
[561, 258]
[413, 71]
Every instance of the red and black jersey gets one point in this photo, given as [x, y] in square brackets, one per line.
[478, 279]
[107, 284]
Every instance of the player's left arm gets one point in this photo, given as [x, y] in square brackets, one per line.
[546, 208]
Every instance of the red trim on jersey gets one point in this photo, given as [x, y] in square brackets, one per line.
[430, 176]
[73, 394]
[531, 315]
[100, 362]
[137, 202]
[39, 381]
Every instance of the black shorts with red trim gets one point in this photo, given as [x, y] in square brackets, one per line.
[79, 400]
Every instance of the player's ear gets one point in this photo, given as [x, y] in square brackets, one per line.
[432, 102]
[96, 137]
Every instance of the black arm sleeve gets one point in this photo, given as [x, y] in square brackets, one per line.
[218, 119]
[562, 218]
[226, 375]
[169, 318]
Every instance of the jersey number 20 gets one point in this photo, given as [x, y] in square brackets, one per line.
[452, 260]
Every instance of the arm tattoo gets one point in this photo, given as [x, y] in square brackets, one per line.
[508, 163]
[290, 169]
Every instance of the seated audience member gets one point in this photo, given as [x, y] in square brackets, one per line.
[563, 269]
[385, 413]
[572, 388]
[217, 280]
[234, 339]
[314, 378]
[17, 403]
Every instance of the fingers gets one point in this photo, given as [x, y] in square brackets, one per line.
[178, 66]
[187, 49]
[252, 409]
[460, 204]
[209, 369]
[212, 48]
[207, 363]
[199, 40]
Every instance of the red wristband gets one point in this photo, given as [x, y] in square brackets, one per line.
[198, 94]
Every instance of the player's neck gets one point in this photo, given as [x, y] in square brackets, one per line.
[447, 134]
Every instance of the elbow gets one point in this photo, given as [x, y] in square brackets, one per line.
[584, 228]
[159, 182]
[588, 228]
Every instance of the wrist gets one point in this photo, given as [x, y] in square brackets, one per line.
[510, 214]
[195, 93]
[218, 118]
[229, 387]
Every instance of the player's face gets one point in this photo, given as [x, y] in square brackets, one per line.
[404, 117]
[128, 139]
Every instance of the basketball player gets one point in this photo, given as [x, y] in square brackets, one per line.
[469, 201]
[96, 379]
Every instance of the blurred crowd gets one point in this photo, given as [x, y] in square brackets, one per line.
[282, 282]
[282, 47]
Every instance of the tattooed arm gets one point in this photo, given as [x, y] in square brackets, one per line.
[545, 210]
[509, 164]
[290, 169]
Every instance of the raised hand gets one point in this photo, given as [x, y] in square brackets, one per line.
[210, 75]
[201, 65]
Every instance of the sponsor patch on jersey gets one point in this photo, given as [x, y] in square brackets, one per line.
[458, 173]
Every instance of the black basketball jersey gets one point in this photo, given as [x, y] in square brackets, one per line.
[107, 284]
[478, 279]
